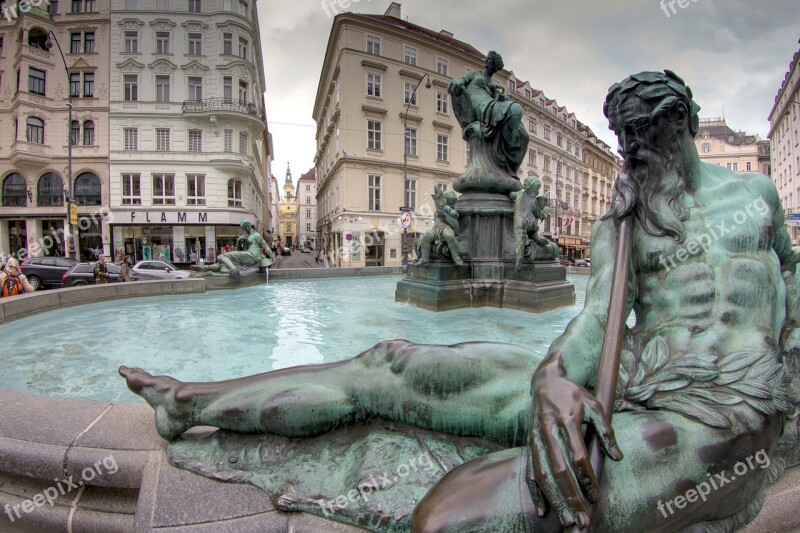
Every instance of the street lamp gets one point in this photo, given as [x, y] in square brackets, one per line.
[71, 250]
[406, 146]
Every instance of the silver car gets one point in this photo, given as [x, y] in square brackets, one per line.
[158, 270]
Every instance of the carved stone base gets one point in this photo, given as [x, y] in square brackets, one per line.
[247, 277]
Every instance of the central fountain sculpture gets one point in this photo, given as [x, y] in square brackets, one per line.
[493, 437]
[487, 260]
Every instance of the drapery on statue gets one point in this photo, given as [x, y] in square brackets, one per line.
[445, 227]
[529, 209]
[249, 252]
[492, 124]
[702, 386]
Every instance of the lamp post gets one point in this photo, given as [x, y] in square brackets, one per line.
[71, 250]
[406, 146]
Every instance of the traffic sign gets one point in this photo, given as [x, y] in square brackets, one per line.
[405, 218]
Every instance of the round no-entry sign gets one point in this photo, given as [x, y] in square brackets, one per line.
[405, 218]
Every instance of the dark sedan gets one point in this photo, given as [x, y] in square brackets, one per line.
[83, 274]
[46, 271]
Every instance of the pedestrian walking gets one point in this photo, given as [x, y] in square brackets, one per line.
[101, 271]
[124, 267]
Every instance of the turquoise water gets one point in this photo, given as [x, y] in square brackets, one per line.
[75, 352]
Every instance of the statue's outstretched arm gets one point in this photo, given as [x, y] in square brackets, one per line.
[561, 403]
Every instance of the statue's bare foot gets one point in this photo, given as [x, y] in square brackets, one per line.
[458, 261]
[159, 392]
[234, 273]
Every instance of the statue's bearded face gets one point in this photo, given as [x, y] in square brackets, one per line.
[652, 152]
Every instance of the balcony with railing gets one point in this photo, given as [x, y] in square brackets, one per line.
[212, 106]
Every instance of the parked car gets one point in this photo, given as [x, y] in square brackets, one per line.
[305, 250]
[157, 270]
[581, 263]
[83, 274]
[46, 271]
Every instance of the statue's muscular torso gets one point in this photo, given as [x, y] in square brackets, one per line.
[725, 296]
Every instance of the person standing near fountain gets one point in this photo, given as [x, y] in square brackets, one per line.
[100, 271]
[12, 280]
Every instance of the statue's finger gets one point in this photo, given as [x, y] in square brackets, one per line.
[571, 499]
[584, 472]
[595, 414]
[547, 482]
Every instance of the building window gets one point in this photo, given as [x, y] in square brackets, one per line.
[34, 131]
[374, 135]
[748, 167]
[409, 93]
[88, 84]
[88, 42]
[130, 138]
[547, 163]
[195, 88]
[243, 47]
[308, 226]
[532, 125]
[528, 94]
[131, 42]
[411, 141]
[512, 86]
[15, 191]
[162, 88]
[441, 66]
[75, 43]
[36, 81]
[194, 6]
[441, 147]
[195, 44]
[229, 141]
[243, 140]
[547, 132]
[242, 91]
[308, 200]
[131, 190]
[308, 213]
[373, 85]
[162, 4]
[163, 189]
[410, 198]
[559, 139]
[374, 192]
[227, 88]
[130, 84]
[441, 102]
[234, 193]
[131, 4]
[532, 158]
[195, 189]
[75, 84]
[195, 140]
[162, 42]
[706, 148]
[75, 133]
[410, 55]
[87, 189]
[162, 139]
[50, 190]
[243, 8]
[82, 6]
[373, 45]
[227, 44]
[88, 133]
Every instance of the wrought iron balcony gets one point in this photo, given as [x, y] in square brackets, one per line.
[211, 105]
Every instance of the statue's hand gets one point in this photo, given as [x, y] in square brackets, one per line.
[559, 408]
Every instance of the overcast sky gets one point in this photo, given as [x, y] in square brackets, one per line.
[732, 53]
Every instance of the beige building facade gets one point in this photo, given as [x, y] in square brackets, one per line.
[719, 144]
[307, 209]
[383, 75]
[287, 212]
[35, 91]
[784, 136]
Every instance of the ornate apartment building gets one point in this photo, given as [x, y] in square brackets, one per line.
[718, 143]
[307, 209]
[36, 90]
[383, 76]
[287, 212]
[189, 154]
[784, 125]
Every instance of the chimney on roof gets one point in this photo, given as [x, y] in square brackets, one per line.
[447, 33]
[394, 10]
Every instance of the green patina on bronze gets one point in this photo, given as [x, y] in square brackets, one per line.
[529, 209]
[440, 240]
[249, 253]
[705, 380]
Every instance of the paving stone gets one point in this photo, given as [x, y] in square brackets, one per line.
[124, 427]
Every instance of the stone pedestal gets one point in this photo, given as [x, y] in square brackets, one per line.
[486, 244]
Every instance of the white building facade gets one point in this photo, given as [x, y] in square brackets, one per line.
[187, 123]
[307, 209]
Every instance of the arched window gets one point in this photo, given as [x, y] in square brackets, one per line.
[88, 133]
[75, 133]
[34, 131]
[50, 190]
[234, 193]
[37, 38]
[87, 189]
[15, 191]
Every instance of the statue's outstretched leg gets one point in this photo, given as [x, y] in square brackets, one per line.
[425, 248]
[469, 389]
[450, 239]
